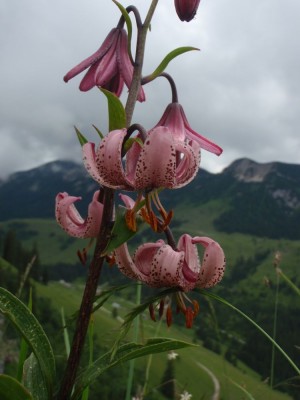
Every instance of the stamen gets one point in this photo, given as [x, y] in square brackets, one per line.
[82, 255]
[130, 215]
[189, 317]
[169, 316]
[151, 312]
[130, 218]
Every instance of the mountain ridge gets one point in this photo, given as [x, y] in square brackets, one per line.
[262, 199]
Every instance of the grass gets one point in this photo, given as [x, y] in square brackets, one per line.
[189, 375]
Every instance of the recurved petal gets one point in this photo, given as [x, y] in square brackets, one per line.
[156, 165]
[128, 201]
[191, 257]
[70, 220]
[125, 263]
[109, 161]
[144, 255]
[89, 161]
[213, 263]
[93, 58]
[205, 143]
[189, 164]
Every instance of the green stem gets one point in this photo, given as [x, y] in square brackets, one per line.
[135, 338]
[214, 296]
[139, 60]
[274, 332]
[288, 281]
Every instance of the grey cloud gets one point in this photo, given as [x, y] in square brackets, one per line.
[241, 90]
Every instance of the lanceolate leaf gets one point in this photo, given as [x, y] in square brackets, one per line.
[120, 232]
[116, 111]
[169, 57]
[81, 138]
[124, 353]
[33, 378]
[20, 316]
[11, 389]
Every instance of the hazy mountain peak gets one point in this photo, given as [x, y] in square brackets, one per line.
[246, 170]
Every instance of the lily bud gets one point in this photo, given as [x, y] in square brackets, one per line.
[186, 9]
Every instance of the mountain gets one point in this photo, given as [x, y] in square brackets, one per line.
[254, 198]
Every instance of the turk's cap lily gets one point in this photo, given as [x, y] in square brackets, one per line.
[161, 161]
[175, 119]
[186, 9]
[159, 265]
[71, 221]
[109, 67]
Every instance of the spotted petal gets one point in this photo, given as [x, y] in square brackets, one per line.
[166, 268]
[105, 165]
[213, 264]
[71, 221]
[126, 264]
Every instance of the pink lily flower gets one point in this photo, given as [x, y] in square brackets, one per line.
[159, 265]
[186, 9]
[174, 118]
[70, 220]
[109, 67]
[161, 161]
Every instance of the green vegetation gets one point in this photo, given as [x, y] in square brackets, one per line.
[230, 348]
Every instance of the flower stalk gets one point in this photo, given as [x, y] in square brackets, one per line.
[95, 268]
[86, 306]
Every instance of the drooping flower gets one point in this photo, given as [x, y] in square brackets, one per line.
[175, 119]
[159, 265]
[71, 221]
[186, 9]
[161, 161]
[109, 67]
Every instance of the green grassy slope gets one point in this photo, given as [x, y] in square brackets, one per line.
[189, 375]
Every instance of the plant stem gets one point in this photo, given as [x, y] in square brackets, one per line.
[135, 338]
[87, 301]
[139, 60]
[86, 307]
[274, 332]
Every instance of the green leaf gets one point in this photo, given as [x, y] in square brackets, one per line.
[81, 138]
[169, 57]
[23, 346]
[22, 318]
[120, 232]
[106, 294]
[33, 378]
[98, 131]
[124, 353]
[66, 333]
[116, 111]
[128, 24]
[11, 389]
[129, 318]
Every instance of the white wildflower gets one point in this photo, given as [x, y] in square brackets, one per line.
[185, 396]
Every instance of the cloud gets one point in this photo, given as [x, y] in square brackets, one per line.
[241, 90]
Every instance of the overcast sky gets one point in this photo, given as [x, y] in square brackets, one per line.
[242, 89]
